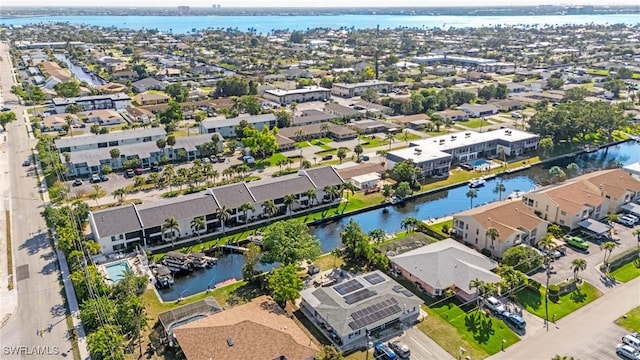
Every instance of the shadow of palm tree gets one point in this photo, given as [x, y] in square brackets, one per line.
[472, 323]
[578, 296]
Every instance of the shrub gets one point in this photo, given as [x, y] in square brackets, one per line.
[553, 290]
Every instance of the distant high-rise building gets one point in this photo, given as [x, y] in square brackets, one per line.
[183, 10]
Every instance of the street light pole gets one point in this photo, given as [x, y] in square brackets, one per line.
[546, 295]
[366, 345]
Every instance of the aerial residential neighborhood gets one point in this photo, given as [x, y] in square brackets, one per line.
[320, 192]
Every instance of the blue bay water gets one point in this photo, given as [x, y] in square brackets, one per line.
[264, 24]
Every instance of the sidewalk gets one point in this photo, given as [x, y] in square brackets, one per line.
[8, 298]
[72, 303]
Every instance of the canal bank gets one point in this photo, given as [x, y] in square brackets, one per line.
[436, 203]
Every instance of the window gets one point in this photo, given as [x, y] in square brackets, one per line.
[563, 213]
[546, 208]
[477, 231]
[561, 222]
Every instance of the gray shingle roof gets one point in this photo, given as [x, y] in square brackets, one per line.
[186, 207]
[324, 176]
[278, 190]
[232, 196]
[338, 314]
[219, 123]
[115, 221]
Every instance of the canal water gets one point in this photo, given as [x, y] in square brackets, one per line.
[435, 205]
[79, 73]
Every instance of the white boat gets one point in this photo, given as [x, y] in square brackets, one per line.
[202, 261]
[516, 194]
[475, 183]
[163, 276]
[177, 262]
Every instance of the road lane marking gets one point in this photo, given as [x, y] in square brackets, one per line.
[421, 347]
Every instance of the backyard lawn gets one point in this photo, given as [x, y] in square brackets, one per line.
[475, 123]
[630, 320]
[451, 327]
[533, 301]
[626, 272]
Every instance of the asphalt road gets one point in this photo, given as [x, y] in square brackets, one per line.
[586, 334]
[37, 326]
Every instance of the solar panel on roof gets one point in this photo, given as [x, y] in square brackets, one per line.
[374, 278]
[358, 296]
[349, 286]
[368, 315]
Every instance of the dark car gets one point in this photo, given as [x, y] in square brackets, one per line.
[156, 168]
[221, 159]
[514, 320]
[77, 182]
[27, 163]
[327, 157]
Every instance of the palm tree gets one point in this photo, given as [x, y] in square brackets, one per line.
[350, 188]
[358, 150]
[224, 214]
[578, 265]
[332, 191]
[289, 200]
[341, 154]
[491, 233]
[336, 253]
[472, 194]
[377, 235]
[608, 248]
[499, 190]
[170, 225]
[325, 129]
[477, 284]
[120, 194]
[612, 217]
[312, 196]
[270, 208]
[197, 224]
[293, 107]
[391, 138]
[546, 242]
[245, 209]
[95, 195]
[409, 223]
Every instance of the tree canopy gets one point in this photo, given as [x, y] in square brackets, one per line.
[285, 284]
[289, 242]
[522, 258]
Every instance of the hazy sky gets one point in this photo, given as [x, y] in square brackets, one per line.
[299, 3]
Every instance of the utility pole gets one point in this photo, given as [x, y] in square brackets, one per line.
[377, 57]
[546, 295]
[366, 345]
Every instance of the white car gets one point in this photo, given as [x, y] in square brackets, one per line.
[627, 352]
[494, 304]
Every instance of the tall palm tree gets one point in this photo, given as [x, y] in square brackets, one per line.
[294, 108]
[409, 223]
[95, 195]
[197, 224]
[336, 253]
[325, 129]
[391, 138]
[332, 191]
[377, 235]
[312, 195]
[288, 201]
[500, 188]
[349, 188]
[477, 284]
[224, 214]
[546, 243]
[608, 248]
[578, 265]
[269, 208]
[612, 217]
[493, 234]
[170, 226]
[245, 209]
[472, 194]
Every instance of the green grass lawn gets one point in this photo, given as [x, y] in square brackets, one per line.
[626, 272]
[369, 142]
[302, 144]
[630, 320]
[533, 301]
[406, 136]
[437, 227]
[271, 161]
[478, 333]
[599, 72]
[475, 123]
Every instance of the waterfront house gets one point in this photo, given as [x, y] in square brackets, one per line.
[358, 307]
[147, 84]
[430, 160]
[443, 265]
[143, 223]
[259, 329]
[516, 224]
[592, 195]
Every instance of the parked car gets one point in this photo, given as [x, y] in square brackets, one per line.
[95, 178]
[401, 349]
[514, 320]
[138, 171]
[156, 168]
[627, 220]
[104, 177]
[221, 158]
[206, 160]
[27, 162]
[327, 157]
[577, 242]
[382, 351]
[129, 173]
[77, 182]
[494, 304]
[631, 341]
[627, 352]
[553, 253]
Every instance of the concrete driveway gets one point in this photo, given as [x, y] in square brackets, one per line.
[421, 346]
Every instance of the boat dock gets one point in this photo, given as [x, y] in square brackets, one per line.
[240, 249]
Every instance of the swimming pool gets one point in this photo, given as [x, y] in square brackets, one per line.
[115, 271]
[479, 163]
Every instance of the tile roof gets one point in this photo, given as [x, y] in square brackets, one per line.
[447, 263]
[114, 221]
[506, 216]
[259, 330]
